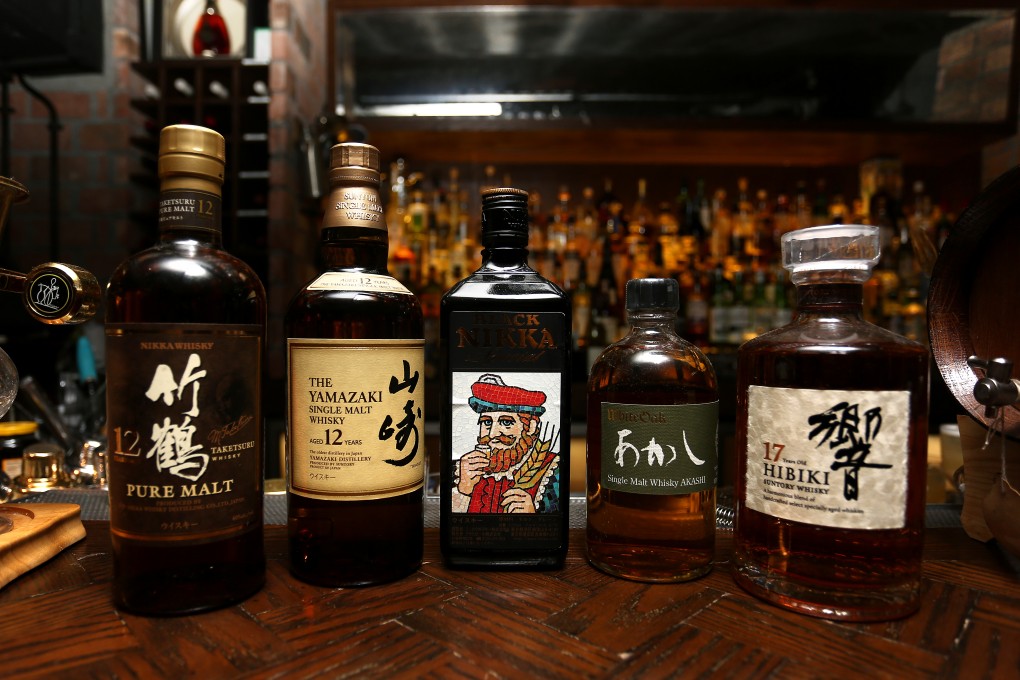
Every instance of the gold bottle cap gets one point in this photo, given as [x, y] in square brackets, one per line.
[57, 293]
[191, 150]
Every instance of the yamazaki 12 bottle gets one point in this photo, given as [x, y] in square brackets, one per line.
[505, 413]
[185, 338]
[831, 444]
[355, 371]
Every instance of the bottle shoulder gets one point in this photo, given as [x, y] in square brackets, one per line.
[665, 360]
[523, 284]
[809, 334]
[189, 282]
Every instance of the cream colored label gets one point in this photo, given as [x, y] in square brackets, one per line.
[360, 282]
[355, 420]
[354, 207]
[833, 458]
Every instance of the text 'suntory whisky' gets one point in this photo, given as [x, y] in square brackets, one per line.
[652, 444]
[505, 416]
[185, 341]
[355, 375]
[831, 444]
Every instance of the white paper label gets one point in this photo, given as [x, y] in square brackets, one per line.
[835, 458]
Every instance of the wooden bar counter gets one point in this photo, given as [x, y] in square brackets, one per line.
[58, 621]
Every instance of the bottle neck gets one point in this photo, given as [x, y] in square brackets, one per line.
[833, 298]
[504, 256]
[353, 233]
[353, 248]
[645, 321]
[190, 209]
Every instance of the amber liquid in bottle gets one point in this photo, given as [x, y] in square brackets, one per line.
[631, 533]
[505, 367]
[341, 536]
[844, 573]
[186, 289]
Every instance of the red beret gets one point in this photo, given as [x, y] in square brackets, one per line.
[494, 392]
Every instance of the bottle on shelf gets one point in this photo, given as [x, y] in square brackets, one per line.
[355, 372]
[210, 37]
[831, 438]
[505, 421]
[185, 343]
[653, 413]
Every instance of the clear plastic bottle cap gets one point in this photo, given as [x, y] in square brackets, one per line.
[852, 249]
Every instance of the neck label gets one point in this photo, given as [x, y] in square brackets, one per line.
[354, 207]
[186, 208]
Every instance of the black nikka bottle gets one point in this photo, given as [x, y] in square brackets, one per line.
[505, 414]
[185, 339]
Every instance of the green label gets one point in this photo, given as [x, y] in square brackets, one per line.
[664, 450]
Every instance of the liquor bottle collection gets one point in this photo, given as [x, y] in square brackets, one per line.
[830, 432]
[723, 247]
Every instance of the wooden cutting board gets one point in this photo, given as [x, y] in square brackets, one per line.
[39, 531]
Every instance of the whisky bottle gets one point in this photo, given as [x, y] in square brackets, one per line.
[355, 376]
[505, 420]
[653, 414]
[831, 438]
[185, 343]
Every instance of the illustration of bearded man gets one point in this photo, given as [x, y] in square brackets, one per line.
[514, 468]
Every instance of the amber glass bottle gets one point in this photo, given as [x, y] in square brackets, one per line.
[355, 371]
[185, 338]
[831, 444]
[505, 418]
[653, 415]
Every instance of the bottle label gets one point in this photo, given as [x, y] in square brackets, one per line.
[662, 450]
[509, 434]
[376, 283]
[189, 208]
[834, 458]
[355, 418]
[354, 207]
[185, 429]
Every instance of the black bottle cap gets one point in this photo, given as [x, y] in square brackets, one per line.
[505, 217]
[653, 294]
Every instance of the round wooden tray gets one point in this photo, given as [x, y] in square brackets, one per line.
[974, 299]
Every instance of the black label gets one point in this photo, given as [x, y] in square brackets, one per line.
[509, 430]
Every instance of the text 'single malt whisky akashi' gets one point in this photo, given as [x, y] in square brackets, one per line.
[831, 444]
[185, 339]
[505, 414]
[355, 373]
[652, 444]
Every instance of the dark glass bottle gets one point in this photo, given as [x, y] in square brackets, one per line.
[505, 420]
[653, 416]
[831, 443]
[185, 343]
[355, 372]
[210, 37]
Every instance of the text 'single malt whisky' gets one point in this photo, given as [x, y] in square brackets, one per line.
[505, 414]
[652, 444]
[185, 339]
[831, 444]
[355, 374]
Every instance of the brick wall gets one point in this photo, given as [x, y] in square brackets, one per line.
[975, 83]
[298, 87]
[94, 192]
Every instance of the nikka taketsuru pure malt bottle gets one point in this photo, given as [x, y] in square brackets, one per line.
[355, 375]
[831, 444]
[652, 444]
[185, 342]
[505, 413]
